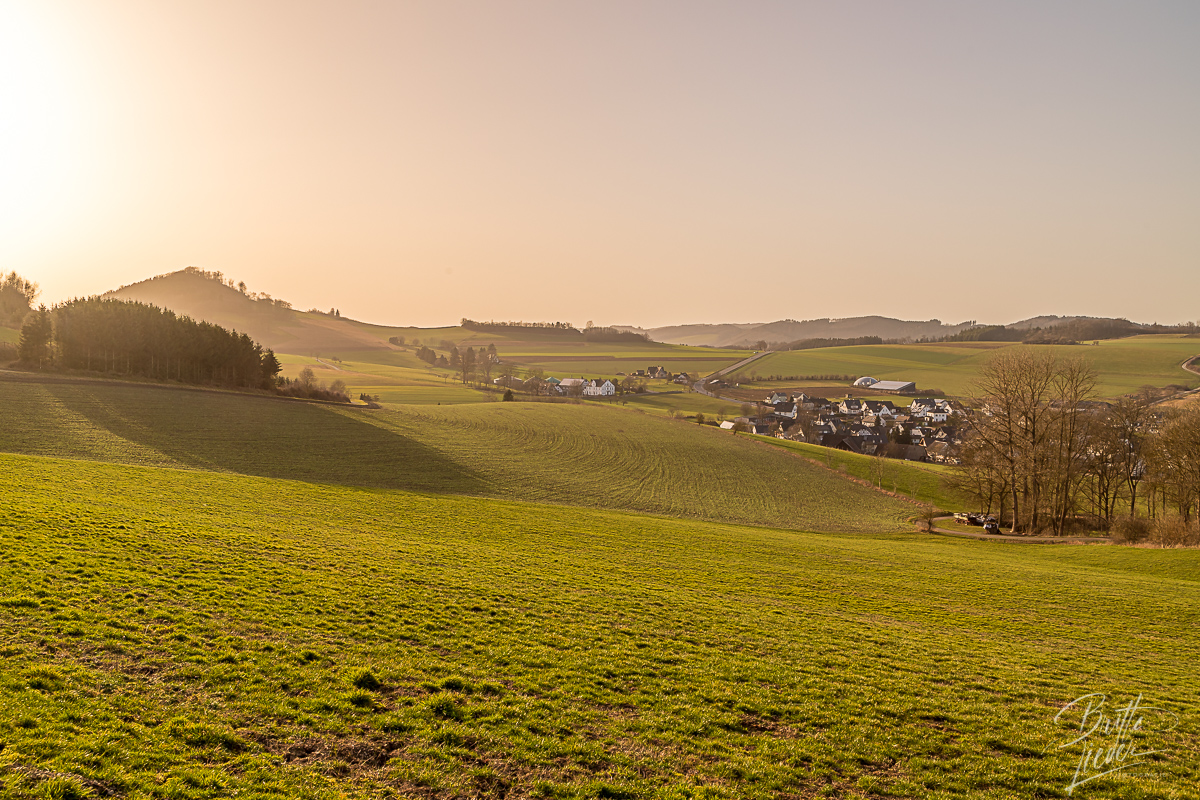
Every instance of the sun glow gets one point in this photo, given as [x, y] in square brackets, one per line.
[38, 125]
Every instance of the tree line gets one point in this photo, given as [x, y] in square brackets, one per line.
[813, 344]
[1045, 456]
[591, 333]
[1070, 331]
[136, 339]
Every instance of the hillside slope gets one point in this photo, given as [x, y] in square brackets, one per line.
[283, 329]
[1122, 365]
[584, 455]
[175, 634]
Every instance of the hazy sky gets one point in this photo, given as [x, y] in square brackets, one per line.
[624, 162]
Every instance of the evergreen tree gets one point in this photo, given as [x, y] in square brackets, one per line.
[36, 335]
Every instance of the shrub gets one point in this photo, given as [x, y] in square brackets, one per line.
[1131, 530]
[1174, 532]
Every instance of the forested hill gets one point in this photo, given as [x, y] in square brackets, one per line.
[208, 296]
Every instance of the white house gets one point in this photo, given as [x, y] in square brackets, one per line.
[592, 389]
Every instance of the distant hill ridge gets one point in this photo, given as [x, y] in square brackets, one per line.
[790, 330]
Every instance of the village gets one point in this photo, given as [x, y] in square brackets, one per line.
[922, 430]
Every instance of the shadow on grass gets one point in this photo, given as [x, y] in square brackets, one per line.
[267, 437]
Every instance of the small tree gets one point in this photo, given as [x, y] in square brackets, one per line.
[270, 368]
[36, 335]
[467, 364]
[700, 420]
[508, 396]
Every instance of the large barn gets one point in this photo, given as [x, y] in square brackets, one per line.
[900, 387]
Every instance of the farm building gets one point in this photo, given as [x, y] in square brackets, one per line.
[894, 386]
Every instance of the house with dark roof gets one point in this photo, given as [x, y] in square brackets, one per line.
[851, 405]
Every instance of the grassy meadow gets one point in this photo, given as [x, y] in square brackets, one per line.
[589, 454]
[396, 375]
[184, 634]
[925, 483]
[1122, 365]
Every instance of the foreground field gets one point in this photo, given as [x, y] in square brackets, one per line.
[1122, 365]
[587, 454]
[183, 634]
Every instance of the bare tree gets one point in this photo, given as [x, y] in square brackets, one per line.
[1030, 428]
[1177, 457]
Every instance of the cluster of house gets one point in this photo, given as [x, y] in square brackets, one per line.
[565, 387]
[661, 373]
[917, 432]
[577, 387]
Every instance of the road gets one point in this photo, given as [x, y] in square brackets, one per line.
[698, 386]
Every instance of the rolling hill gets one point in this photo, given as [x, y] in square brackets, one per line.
[311, 334]
[788, 330]
[585, 455]
[1122, 365]
[194, 293]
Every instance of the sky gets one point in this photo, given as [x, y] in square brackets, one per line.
[627, 162]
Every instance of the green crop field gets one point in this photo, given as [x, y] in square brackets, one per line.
[588, 454]
[184, 634]
[922, 482]
[684, 401]
[1122, 365]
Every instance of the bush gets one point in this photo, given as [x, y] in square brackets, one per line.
[1174, 532]
[1131, 530]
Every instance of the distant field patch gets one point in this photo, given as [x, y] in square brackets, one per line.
[1122, 365]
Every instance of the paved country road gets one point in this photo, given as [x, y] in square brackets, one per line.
[698, 386]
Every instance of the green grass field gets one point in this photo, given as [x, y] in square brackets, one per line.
[183, 634]
[924, 483]
[396, 375]
[10, 335]
[587, 454]
[1122, 365]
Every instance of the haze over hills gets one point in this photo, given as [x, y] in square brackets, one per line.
[790, 330]
[274, 323]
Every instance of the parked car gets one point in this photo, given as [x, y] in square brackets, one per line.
[991, 526]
